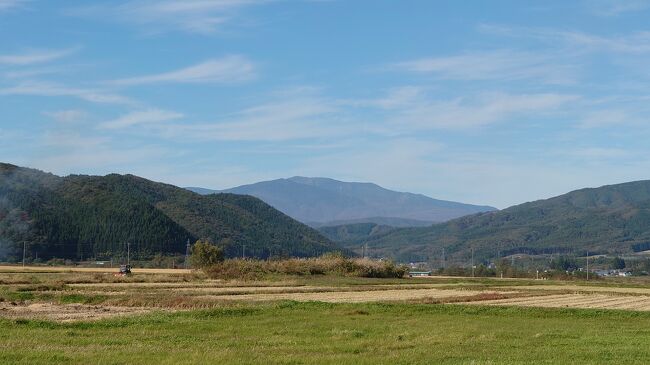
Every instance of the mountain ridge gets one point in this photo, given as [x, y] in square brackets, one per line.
[609, 219]
[321, 201]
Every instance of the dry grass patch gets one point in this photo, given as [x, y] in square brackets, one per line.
[64, 312]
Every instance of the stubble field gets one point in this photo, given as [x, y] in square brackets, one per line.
[64, 316]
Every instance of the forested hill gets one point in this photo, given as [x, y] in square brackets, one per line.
[94, 216]
[609, 219]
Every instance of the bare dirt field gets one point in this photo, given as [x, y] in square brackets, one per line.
[67, 312]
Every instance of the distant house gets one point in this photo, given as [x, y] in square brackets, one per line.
[413, 274]
[612, 273]
[602, 272]
[415, 265]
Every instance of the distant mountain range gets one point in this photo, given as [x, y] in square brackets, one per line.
[95, 216]
[611, 219]
[321, 202]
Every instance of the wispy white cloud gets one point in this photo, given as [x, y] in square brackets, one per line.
[606, 118]
[6, 5]
[299, 118]
[228, 69]
[103, 158]
[422, 112]
[56, 90]
[149, 116]
[35, 56]
[395, 98]
[593, 154]
[67, 116]
[616, 7]
[193, 16]
[633, 43]
[492, 65]
[30, 73]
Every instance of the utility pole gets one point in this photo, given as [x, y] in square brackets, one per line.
[587, 265]
[24, 251]
[365, 251]
[128, 253]
[444, 263]
[243, 251]
[472, 261]
[187, 253]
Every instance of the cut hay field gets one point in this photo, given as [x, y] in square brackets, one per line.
[54, 269]
[82, 317]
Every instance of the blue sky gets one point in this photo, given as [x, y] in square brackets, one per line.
[490, 102]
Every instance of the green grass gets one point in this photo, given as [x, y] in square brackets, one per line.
[310, 333]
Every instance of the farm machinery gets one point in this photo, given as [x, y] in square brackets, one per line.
[125, 270]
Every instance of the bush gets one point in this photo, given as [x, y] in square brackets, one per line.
[205, 254]
[324, 265]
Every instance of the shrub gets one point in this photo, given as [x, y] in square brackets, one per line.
[205, 254]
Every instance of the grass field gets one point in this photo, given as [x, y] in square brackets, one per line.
[170, 318]
[307, 333]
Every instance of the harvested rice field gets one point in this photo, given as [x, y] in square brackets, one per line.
[81, 317]
[186, 290]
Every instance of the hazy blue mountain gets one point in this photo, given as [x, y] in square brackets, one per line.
[323, 201]
[611, 219]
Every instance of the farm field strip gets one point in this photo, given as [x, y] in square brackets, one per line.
[354, 296]
[67, 312]
[217, 290]
[587, 301]
[184, 284]
[581, 288]
[58, 269]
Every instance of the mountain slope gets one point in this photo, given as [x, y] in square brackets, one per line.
[321, 201]
[381, 221]
[354, 234]
[82, 216]
[609, 219]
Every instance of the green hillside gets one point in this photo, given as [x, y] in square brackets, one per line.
[355, 233]
[92, 216]
[610, 219]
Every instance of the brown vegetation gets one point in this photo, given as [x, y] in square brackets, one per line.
[324, 265]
